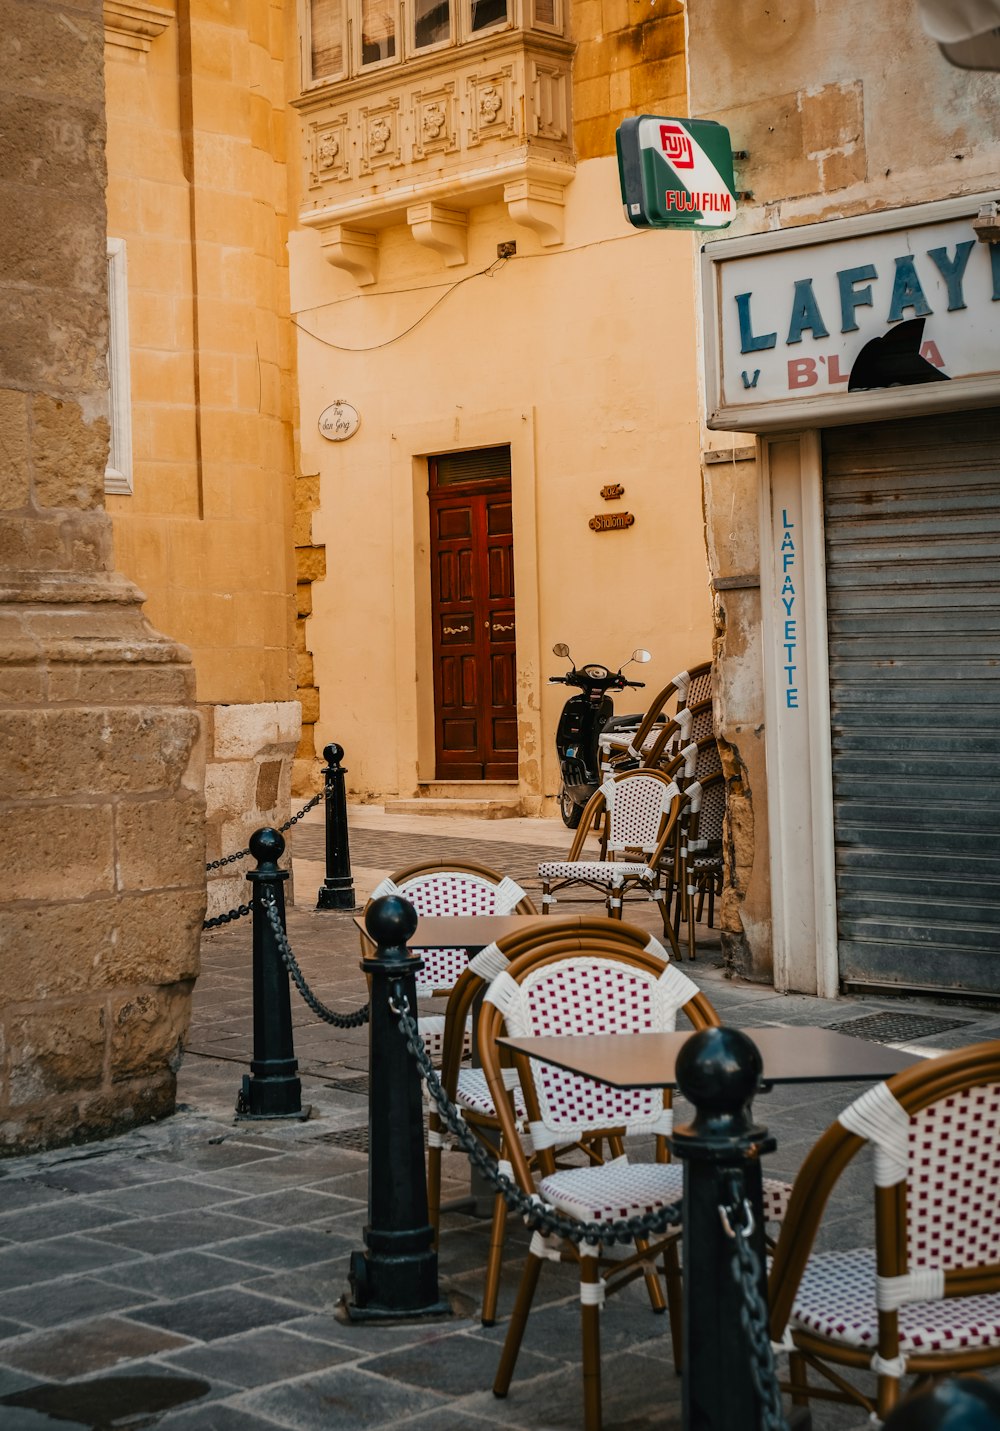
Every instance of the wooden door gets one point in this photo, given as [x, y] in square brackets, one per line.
[472, 589]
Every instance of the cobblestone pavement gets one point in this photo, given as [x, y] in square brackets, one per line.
[187, 1274]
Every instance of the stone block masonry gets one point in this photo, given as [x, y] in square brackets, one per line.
[101, 755]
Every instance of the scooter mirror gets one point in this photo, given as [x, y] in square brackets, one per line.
[641, 654]
[560, 649]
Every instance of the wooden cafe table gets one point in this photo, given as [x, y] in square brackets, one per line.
[790, 1054]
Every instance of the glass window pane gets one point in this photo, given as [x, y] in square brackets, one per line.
[488, 12]
[431, 22]
[378, 31]
[326, 19]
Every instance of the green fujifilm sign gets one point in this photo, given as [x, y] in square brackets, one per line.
[676, 173]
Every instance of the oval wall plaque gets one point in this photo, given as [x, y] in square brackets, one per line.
[339, 421]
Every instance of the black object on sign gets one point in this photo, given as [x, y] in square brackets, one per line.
[894, 360]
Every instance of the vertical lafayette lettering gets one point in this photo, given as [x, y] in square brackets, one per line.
[789, 619]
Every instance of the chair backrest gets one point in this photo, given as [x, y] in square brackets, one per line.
[708, 813]
[557, 937]
[460, 887]
[935, 1132]
[699, 687]
[696, 761]
[637, 811]
[680, 687]
[591, 990]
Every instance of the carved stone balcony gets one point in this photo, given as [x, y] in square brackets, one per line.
[424, 143]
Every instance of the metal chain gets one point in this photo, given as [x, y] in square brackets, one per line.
[242, 854]
[537, 1214]
[304, 811]
[329, 1016]
[238, 913]
[746, 1271]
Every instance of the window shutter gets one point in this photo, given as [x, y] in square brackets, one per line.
[483, 464]
[327, 37]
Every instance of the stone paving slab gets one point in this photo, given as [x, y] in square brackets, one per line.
[214, 1252]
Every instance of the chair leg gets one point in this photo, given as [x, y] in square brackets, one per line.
[518, 1322]
[491, 1290]
[590, 1317]
[798, 1375]
[434, 1178]
[656, 1298]
[675, 1301]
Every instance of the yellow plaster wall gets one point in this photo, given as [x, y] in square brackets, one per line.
[197, 188]
[581, 357]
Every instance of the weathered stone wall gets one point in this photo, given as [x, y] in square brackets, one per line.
[248, 753]
[629, 60]
[100, 762]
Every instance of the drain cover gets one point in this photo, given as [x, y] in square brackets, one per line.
[355, 1139]
[894, 1028]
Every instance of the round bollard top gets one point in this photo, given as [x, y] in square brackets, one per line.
[333, 754]
[718, 1070]
[971, 1405]
[267, 845]
[391, 921]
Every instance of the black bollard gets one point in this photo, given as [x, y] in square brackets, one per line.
[718, 1071]
[337, 890]
[272, 1089]
[397, 1275]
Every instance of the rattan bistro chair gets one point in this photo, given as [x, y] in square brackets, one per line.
[591, 990]
[638, 814]
[467, 1087]
[458, 887]
[925, 1301]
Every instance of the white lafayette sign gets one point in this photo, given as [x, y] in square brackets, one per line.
[828, 322]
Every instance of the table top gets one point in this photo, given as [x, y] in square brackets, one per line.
[646, 1060]
[468, 931]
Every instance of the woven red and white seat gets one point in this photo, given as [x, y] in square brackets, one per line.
[621, 1189]
[926, 1299]
[837, 1299]
[447, 892]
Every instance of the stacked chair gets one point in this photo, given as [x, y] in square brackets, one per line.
[689, 688]
[925, 1300]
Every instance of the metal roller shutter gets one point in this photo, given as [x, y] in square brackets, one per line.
[912, 513]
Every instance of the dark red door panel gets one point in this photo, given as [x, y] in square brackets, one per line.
[475, 664]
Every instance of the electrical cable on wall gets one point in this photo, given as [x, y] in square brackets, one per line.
[489, 272]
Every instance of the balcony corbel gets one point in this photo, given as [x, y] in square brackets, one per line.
[442, 229]
[538, 206]
[355, 250]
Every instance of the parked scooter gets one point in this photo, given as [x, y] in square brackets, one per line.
[583, 718]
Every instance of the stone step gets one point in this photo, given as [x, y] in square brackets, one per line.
[483, 809]
[468, 790]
